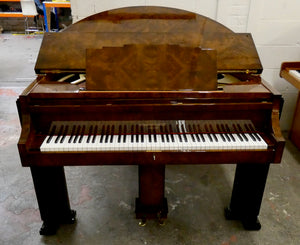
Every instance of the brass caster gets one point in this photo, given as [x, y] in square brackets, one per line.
[143, 223]
[162, 222]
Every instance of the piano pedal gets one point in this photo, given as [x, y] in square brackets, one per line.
[143, 222]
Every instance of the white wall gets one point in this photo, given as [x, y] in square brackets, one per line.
[274, 24]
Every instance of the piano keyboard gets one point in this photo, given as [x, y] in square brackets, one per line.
[182, 135]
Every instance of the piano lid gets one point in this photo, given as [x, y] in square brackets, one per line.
[66, 51]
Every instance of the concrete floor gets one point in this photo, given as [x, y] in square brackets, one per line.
[104, 196]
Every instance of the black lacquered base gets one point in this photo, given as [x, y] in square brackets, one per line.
[50, 227]
[249, 223]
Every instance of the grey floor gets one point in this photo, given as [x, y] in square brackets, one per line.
[104, 196]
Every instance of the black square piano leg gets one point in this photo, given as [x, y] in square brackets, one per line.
[151, 203]
[247, 194]
[52, 196]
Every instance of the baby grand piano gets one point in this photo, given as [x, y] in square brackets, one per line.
[163, 86]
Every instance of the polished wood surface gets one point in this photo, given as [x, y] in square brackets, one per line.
[166, 42]
[284, 73]
[151, 68]
[148, 26]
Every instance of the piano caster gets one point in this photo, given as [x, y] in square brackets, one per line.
[50, 228]
[71, 219]
[161, 220]
[250, 224]
[143, 222]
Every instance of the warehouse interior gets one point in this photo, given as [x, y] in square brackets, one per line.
[104, 196]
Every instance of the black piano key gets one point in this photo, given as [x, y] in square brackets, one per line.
[77, 134]
[212, 130]
[238, 134]
[51, 134]
[72, 134]
[255, 134]
[82, 134]
[61, 130]
[142, 134]
[90, 134]
[200, 133]
[112, 134]
[102, 134]
[167, 134]
[120, 134]
[193, 138]
[154, 135]
[64, 135]
[225, 133]
[132, 133]
[227, 137]
[241, 130]
[171, 133]
[137, 133]
[107, 133]
[196, 134]
[162, 134]
[125, 132]
[208, 133]
[229, 133]
[222, 137]
[179, 135]
[149, 134]
[95, 134]
[183, 133]
[251, 135]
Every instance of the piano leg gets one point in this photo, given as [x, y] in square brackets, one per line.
[247, 194]
[52, 196]
[151, 203]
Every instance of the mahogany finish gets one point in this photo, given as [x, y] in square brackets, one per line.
[170, 33]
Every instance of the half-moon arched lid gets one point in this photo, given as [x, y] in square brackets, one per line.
[66, 51]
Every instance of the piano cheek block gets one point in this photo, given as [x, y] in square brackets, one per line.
[149, 93]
